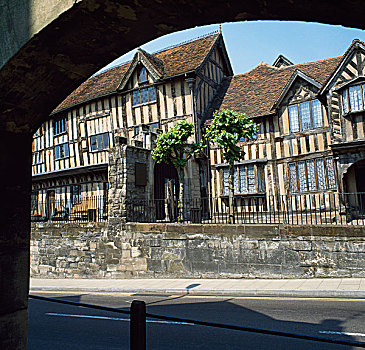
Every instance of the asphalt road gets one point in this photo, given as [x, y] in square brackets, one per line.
[55, 326]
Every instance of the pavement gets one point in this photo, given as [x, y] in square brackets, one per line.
[305, 288]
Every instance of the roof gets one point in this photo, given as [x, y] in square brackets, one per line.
[256, 91]
[173, 61]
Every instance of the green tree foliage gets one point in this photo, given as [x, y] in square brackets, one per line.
[173, 147]
[227, 129]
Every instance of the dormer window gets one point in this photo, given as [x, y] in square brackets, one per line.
[353, 99]
[305, 116]
[142, 76]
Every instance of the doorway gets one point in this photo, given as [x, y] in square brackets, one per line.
[50, 203]
[166, 189]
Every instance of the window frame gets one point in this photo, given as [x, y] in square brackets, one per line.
[299, 121]
[142, 69]
[147, 89]
[96, 138]
[259, 179]
[37, 157]
[75, 194]
[63, 150]
[346, 101]
[293, 166]
[60, 126]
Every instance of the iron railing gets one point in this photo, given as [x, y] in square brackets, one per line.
[88, 209]
[294, 209]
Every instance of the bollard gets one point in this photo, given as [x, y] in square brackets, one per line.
[138, 325]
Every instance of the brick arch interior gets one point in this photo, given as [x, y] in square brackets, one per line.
[60, 57]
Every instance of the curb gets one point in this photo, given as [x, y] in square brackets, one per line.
[304, 293]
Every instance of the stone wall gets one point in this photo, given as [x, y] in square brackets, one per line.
[179, 251]
[122, 175]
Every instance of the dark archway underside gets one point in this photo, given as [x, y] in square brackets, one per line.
[94, 32]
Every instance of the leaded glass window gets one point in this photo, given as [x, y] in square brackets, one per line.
[243, 179]
[355, 98]
[317, 114]
[302, 177]
[331, 179]
[251, 179]
[151, 94]
[321, 176]
[236, 184]
[345, 101]
[311, 172]
[293, 180]
[247, 179]
[136, 98]
[312, 175]
[225, 180]
[142, 77]
[144, 96]
[293, 118]
[305, 116]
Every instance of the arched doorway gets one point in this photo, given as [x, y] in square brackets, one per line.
[354, 186]
[166, 191]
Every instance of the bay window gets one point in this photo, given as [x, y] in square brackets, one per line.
[353, 99]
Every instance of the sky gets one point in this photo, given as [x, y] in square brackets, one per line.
[249, 43]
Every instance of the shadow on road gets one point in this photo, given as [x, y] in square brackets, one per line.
[93, 332]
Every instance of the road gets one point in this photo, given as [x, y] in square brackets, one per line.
[55, 326]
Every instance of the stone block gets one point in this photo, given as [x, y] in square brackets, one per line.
[270, 256]
[233, 268]
[155, 265]
[176, 268]
[265, 271]
[292, 258]
[300, 245]
[264, 231]
[126, 254]
[204, 267]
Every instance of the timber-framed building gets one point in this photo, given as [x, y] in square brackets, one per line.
[311, 138]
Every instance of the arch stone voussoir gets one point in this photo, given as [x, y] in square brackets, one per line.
[48, 48]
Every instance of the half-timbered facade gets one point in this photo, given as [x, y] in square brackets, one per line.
[311, 138]
[128, 104]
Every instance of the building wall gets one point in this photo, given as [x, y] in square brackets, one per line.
[217, 251]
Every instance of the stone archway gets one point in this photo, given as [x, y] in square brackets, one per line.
[48, 51]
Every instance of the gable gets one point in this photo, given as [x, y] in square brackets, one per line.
[351, 66]
[281, 62]
[300, 87]
[140, 60]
